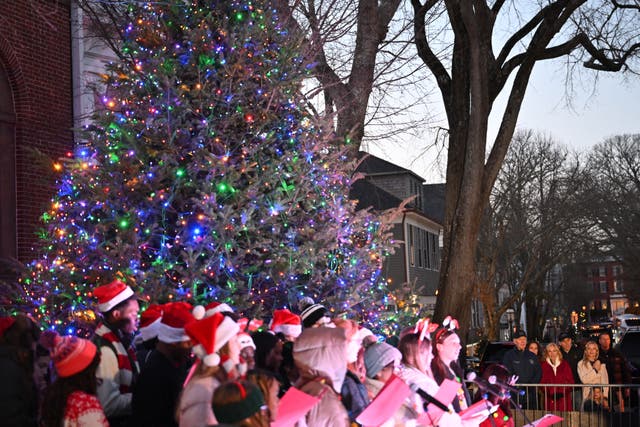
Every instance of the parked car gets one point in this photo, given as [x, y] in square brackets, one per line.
[491, 352]
[630, 346]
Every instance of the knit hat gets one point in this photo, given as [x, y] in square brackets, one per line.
[175, 315]
[200, 312]
[245, 340]
[150, 322]
[251, 401]
[379, 355]
[71, 354]
[111, 295]
[286, 322]
[209, 335]
[312, 314]
[5, 324]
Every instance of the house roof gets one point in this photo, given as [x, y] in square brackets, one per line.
[369, 195]
[433, 201]
[373, 165]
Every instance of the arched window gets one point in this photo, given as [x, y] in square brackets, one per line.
[8, 240]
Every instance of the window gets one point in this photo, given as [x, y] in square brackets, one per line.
[603, 287]
[602, 271]
[8, 240]
[412, 249]
[617, 286]
[616, 270]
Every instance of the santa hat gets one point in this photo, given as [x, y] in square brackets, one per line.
[72, 355]
[150, 322]
[175, 315]
[245, 340]
[111, 295]
[210, 335]
[312, 314]
[212, 308]
[243, 322]
[286, 322]
[5, 324]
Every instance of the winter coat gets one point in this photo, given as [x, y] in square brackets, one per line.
[17, 392]
[411, 375]
[617, 368]
[588, 375]
[557, 398]
[572, 357]
[157, 392]
[321, 357]
[194, 409]
[116, 372]
[83, 410]
[524, 364]
[354, 395]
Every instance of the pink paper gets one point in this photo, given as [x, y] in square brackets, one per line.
[479, 410]
[385, 404]
[293, 406]
[547, 420]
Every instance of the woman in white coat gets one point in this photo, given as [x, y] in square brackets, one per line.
[592, 371]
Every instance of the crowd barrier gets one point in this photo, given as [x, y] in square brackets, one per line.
[622, 408]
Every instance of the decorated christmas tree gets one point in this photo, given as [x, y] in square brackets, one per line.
[206, 176]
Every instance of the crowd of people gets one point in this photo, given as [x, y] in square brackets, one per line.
[567, 362]
[179, 365]
[183, 366]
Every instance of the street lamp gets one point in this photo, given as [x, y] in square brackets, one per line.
[511, 316]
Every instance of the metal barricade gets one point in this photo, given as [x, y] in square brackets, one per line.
[580, 405]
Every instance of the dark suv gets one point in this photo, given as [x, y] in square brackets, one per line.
[629, 345]
[492, 352]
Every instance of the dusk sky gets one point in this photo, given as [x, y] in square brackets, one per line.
[609, 108]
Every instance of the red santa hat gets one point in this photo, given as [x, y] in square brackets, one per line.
[150, 322]
[286, 322]
[175, 315]
[111, 295]
[5, 324]
[210, 335]
[200, 312]
[245, 340]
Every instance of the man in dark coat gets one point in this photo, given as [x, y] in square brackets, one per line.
[160, 383]
[617, 369]
[523, 363]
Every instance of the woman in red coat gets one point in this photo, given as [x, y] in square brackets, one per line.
[556, 371]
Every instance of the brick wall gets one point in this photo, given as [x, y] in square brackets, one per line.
[35, 50]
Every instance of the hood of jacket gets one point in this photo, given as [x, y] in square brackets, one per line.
[322, 352]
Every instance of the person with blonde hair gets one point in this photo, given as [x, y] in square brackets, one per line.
[269, 385]
[591, 370]
[241, 404]
[556, 370]
[218, 351]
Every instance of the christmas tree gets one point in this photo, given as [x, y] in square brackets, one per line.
[206, 176]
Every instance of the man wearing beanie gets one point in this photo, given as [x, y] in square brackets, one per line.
[118, 369]
[160, 383]
[313, 315]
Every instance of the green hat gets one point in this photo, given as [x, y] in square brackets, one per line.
[251, 401]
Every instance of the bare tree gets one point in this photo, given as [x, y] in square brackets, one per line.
[471, 75]
[614, 201]
[530, 227]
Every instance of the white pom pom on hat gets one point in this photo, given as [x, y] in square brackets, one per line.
[210, 335]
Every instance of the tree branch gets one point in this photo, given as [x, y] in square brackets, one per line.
[424, 50]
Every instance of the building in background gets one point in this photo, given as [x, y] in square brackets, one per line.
[36, 116]
[414, 269]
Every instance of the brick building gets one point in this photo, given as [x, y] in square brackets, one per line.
[36, 113]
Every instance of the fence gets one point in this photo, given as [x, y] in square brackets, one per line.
[592, 405]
